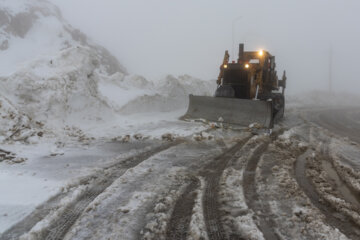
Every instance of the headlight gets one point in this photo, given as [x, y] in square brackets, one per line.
[225, 65]
[247, 65]
[261, 53]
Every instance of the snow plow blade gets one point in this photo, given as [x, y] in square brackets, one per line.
[232, 111]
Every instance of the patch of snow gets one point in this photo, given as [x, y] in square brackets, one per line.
[235, 201]
[13, 204]
[197, 229]
[232, 195]
[157, 225]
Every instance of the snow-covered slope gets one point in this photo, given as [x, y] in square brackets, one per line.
[59, 88]
[49, 71]
[53, 77]
[31, 28]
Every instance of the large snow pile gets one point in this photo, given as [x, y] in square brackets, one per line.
[53, 77]
[30, 28]
[170, 94]
[69, 89]
[60, 88]
[49, 70]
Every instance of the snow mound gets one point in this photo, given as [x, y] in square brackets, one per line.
[72, 88]
[185, 85]
[54, 78]
[59, 89]
[118, 89]
[171, 93]
[30, 28]
[50, 72]
[134, 94]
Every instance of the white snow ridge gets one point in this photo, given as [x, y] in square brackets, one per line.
[53, 76]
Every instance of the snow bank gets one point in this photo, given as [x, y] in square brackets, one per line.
[49, 71]
[59, 89]
[54, 78]
[71, 89]
[32, 28]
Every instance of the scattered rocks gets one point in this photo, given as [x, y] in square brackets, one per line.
[202, 136]
[78, 134]
[55, 151]
[138, 136]
[125, 139]
[298, 214]
[124, 210]
[18, 160]
[116, 139]
[197, 137]
[6, 155]
[215, 125]
[168, 137]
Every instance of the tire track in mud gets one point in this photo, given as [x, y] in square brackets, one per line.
[62, 224]
[341, 186]
[180, 218]
[260, 208]
[212, 174]
[333, 218]
[36, 216]
[212, 213]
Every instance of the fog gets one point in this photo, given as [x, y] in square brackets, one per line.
[158, 37]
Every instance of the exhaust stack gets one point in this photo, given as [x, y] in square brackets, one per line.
[241, 52]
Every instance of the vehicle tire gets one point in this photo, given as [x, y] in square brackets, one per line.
[225, 91]
[278, 106]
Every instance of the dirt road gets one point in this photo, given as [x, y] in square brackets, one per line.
[300, 182]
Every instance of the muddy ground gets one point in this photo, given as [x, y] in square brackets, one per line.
[301, 181]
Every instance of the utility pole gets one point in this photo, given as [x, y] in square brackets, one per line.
[330, 69]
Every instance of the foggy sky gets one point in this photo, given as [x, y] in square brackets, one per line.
[158, 37]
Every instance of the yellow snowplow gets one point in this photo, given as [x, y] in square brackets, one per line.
[248, 92]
